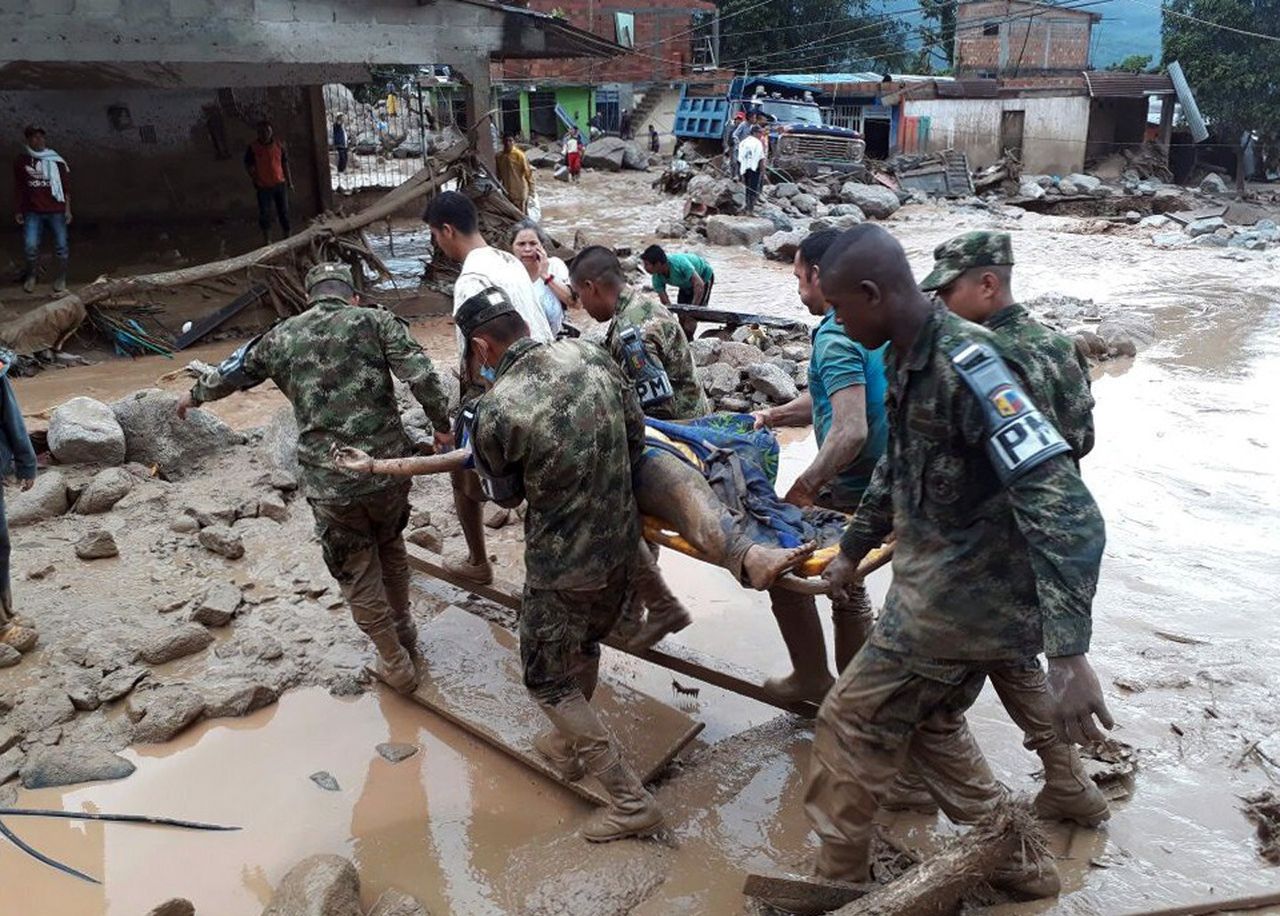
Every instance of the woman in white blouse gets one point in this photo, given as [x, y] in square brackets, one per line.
[550, 276]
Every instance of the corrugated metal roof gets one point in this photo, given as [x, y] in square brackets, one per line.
[1113, 84]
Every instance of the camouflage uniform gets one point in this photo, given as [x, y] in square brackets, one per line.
[334, 363]
[562, 416]
[667, 348]
[985, 575]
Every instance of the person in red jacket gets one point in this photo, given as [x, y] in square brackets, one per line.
[42, 199]
[267, 162]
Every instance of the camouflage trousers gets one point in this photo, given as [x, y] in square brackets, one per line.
[561, 631]
[363, 548]
[885, 708]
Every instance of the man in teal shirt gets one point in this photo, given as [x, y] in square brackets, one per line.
[690, 274]
[845, 403]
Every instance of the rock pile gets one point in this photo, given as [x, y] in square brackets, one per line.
[1211, 232]
[751, 368]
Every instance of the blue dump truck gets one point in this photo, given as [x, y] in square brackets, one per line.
[799, 142]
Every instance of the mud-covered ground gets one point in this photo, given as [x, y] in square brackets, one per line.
[1185, 639]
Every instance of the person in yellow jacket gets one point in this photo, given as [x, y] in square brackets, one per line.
[515, 174]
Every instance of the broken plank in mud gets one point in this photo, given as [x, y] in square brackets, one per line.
[669, 655]
[472, 677]
[210, 323]
[733, 319]
[801, 893]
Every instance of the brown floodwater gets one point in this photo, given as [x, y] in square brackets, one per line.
[1186, 473]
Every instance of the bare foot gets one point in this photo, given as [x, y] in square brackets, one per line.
[763, 565]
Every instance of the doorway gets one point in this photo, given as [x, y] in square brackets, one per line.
[1011, 127]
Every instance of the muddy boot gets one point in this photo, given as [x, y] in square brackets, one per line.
[909, 793]
[633, 812]
[17, 636]
[851, 631]
[1027, 878]
[29, 277]
[562, 756]
[666, 613]
[660, 623]
[797, 617]
[479, 573]
[60, 278]
[1069, 794]
[394, 665]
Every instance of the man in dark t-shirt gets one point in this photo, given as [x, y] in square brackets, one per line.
[42, 200]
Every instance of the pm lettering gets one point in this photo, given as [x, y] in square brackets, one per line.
[1024, 439]
[654, 390]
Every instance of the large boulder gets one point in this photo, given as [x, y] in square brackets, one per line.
[875, 200]
[154, 434]
[85, 431]
[719, 379]
[322, 885]
[280, 440]
[1085, 184]
[107, 488]
[805, 203]
[718, 195]
[635, 158]
[773, 382]
[542, 159]
[47, 498]
[1127, 333]
[737, 230]
[607, 153]
[782, 246]
[67, 765]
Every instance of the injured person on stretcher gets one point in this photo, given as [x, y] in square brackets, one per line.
[710, 480]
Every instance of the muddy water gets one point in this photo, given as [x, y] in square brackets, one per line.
[1186, 474]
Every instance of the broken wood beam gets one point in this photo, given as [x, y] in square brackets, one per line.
[735, 319]
[210, 323]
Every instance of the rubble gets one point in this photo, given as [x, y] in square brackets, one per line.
[86, 431]
[218, 605]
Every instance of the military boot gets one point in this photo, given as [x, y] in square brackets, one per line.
[633, 811]
[1027, 878]
[561, 754]
[29, 276]
[797, 617]
[407, 634]
[666, 614]
[908, 792]
[1069, 794]
[394, 664]
[60, 278]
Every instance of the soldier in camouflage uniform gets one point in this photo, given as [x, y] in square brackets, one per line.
[334, 363]
[560, 429]
[996, 561]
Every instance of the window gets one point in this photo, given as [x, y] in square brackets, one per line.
[990, 29]
[624, 26]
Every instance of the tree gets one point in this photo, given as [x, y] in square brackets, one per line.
[1234, 75]
[937, 32]
[1134, 63]
[809, 36]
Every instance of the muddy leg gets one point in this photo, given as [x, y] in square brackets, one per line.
[666, 614]
[801, 629]
[469, 506]
[852, 621]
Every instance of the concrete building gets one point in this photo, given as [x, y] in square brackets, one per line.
[152, 102]
[1019, 37]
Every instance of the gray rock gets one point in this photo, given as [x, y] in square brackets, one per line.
[428, 537]
[1205, 226]
[46, 499]
[324, 779]
[67, 765]
[273, 507]
[607, 153]
[1067, 188]
[718, 195]
[280, 442]
[874, 200]
[1030, 189]
[178, 906]
[321, 885]
[1085, 184]
[222, 540]
[82, 688]
[283, 481]
[1128, 333]
[85, 431]
[1213, 183]
[39, 708]
[218, 605]
[8, 738]
[235, 700]
[120, 683]
[1266, 225]
[1169, 240]
[805, 203]
[106, 489]
[705, 350]
[1209, 241]
[670, 229]
[740, 355]
[9, 656]
[155, 436]
[786, 190]
[848, 210]
[796, 352]
[719, 379]
[737, 230]
[1154, 221]
[782, 246]
[395, 902]
[171, 644]
[395, 752]
[97, 544]
[838, 223]
[160, 714]
[11, 764]
[773, 382]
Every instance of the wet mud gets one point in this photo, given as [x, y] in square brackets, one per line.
[1185, 471]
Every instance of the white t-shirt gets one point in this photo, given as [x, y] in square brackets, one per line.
[490, 266]
[570, 145]
[750, 153]
[552, 307]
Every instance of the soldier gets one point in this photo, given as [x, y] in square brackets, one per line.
[16, 455]
[972, 275]
[998, 549]
[334, 363]
[560, 429]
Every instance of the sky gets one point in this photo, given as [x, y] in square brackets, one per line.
[1127, 27]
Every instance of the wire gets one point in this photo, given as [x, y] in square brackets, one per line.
[1217, 25]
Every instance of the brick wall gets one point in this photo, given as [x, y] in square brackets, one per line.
[663, 52]
[1004, 36]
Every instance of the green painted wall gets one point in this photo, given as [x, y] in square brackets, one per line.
[579, 99]
[524, 115]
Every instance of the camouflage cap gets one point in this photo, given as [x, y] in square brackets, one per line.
[330, 270]
[964, 252]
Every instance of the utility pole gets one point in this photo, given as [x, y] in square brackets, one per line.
[715, 39]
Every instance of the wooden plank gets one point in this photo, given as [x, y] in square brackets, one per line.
[472, 677]
[209, 323]
[717, 316]
[673, 657]
[801, 893]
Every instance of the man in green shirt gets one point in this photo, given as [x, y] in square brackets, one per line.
[692, 277]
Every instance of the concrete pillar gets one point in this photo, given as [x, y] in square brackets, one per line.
[1166, 121]
[323, 187]
[479, 116]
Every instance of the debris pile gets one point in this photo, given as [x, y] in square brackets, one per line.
[1180, 231]
[750, 367]
[1099, 334]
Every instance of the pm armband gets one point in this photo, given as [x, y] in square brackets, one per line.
[231, 370]
[653, 386]
[1018, 437]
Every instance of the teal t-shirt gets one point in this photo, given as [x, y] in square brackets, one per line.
[683, 267]
[837, 363]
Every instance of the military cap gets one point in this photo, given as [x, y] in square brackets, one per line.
[965, 252]
[330, 270]
[480, 309]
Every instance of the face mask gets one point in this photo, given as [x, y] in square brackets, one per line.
[489, 374]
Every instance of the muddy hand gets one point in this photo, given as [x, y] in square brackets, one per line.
[351, 459]
[1077, 698]
[841, 576]
[184, 404]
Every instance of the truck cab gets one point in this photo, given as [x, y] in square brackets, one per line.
[799, 141]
